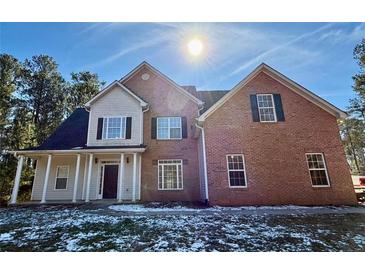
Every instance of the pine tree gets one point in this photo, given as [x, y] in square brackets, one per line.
[83, 86]
[44, 92]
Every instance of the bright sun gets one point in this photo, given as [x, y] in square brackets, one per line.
[195, 47]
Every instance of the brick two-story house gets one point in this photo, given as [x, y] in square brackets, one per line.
[267, 141]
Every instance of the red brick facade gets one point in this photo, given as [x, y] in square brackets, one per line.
[275, 162]
[165, 100]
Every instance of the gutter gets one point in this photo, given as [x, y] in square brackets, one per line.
[205, 165]
[76, 151]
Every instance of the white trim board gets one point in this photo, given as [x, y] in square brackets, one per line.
[109, 87]
[310, 96]
[163, 76]
[76, 151]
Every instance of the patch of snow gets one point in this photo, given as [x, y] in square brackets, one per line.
[197, 246]
[6, 237]
[72, 245]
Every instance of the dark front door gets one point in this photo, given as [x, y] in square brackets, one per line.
[110, 181]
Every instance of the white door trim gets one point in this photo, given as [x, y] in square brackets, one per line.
[110, 162]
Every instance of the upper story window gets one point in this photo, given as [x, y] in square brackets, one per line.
[266, 107]
[61, 177]
[317, 169]
[169, 128]
[236, 170]
[114, 127]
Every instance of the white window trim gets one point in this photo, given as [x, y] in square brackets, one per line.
[273, 104]
[122, 134]
[68, 175]
[177, 171]
[325, 169]
[169, 128]
[244, 170]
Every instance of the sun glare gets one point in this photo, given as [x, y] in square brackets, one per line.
[195, 47]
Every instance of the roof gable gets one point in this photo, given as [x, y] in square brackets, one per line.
[109, 88]
[163, 76]
[295, 87]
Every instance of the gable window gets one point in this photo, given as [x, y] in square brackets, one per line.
[317, 169]
[170, 175]
[266, 107]
[114, 127]
[169, 128]
[61, 177]
[236, 170]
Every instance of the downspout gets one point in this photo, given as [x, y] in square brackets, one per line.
[141, 122]
[205, 165]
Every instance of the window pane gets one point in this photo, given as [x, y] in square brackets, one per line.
[62, 172]
[319, 177]
[162, 122]
[112, 127]
[264, 100]
[175, 122]
[237, 178]
[266, 114]
[170, 174]
[163, 133]
[168, 127]
[317, 169]
[61, 183]
[123, 127]
[236, 170]
[266, 108]
[105, 125]
[175, 133]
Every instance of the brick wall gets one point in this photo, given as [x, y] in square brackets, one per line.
[166, 100]
[274, 153]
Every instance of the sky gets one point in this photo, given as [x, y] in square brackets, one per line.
[316, 55]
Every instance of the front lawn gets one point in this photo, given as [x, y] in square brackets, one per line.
[58, 228]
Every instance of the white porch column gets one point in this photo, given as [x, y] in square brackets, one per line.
[134, 176]
[87, 198]
[18, 174]
[76, 178]
[45, 185]
[139, 175]
[121, 175]
[84, 179]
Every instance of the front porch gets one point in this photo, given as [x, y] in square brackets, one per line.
[81, 176]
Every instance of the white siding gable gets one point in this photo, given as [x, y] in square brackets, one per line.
[116, 102]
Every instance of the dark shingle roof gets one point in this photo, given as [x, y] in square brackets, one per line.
[70, 134]
[210, 98]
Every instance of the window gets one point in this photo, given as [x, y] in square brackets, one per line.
[265, 103]
[236, 170]
[169, 128]
[170, 175]
[114, 127]
[61, 177]
[317, 169]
